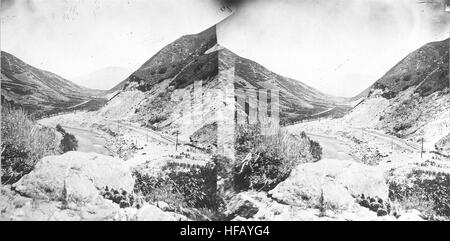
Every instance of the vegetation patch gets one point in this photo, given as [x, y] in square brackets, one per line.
[375, 204]
[263, 161]
[425, 191]
[121, 197]
[24, 143]
[183, 188]
[68, 142]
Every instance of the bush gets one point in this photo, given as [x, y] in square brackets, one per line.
[60, 129]
[162, 70]
[24, 143]
[375, 204]
[192, 188]
[426, 191]
[315, 149]
[68, 142]
[121, 197]
[263, 161]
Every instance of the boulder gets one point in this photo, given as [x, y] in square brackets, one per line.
[331, 184]
[74, 177]
[164, 206]
[242, 205]
[335, 196]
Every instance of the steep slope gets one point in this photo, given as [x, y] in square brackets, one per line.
[425, 69]
[297, 101]
[103, 79]
[412, 100]
[38, 90]
[170, 60]
[198, 66]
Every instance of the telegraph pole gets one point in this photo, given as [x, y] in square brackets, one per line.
[421, 149]
[176, 143]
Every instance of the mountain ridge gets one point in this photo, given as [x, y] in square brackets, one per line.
[195, 57]
[413, 69]
[37, 90]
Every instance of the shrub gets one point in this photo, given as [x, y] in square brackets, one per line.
[315, 149]
[60, 129]
[378, 205]
[121, 197]
[24, 143]
[263, 171]
[162, 70]
[192, 188]
[426, 191]
[68, 142]
[263, 161]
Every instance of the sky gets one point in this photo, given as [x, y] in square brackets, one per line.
[339, 47]
[73, 38]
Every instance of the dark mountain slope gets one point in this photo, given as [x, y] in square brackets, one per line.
[170, 60]
[200, 57]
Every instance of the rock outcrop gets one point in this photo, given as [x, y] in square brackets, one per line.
[330, 184]
[74, 177]
[68, 187]
[258, 206]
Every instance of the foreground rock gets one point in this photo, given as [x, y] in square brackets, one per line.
[330, 184]
[74, 177]
[242, 205]
[15, 207]
[19, 208]
[67, 187]
[259, 206]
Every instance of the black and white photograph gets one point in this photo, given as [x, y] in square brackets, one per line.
[218, 110]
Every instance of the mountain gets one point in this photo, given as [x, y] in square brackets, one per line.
[425, 69]
[103, 79]
[37, 90]
[412, 100]
[163, 93]
[171, 59]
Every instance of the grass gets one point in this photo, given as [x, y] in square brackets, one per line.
[193, 189]
[425, 191]
[24, 143]
[263, 161]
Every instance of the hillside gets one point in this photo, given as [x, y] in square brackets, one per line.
[412, 99]
[170, 85]
[36, 90]
[425, 69]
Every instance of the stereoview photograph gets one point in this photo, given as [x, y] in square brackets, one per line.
[216, 110]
